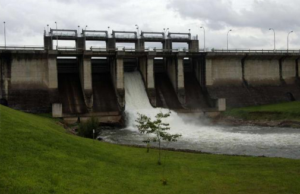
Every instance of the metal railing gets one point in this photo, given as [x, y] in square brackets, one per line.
[22, 48]
[252, 51]
[66, 48]
[149, 49]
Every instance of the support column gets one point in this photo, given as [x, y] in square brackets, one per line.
[180, 80]
[120, 81]
[52, 76]
[48, 43]
[111, 44]
[208, 72]
[80, 43]
[176, 74]
[52, 72]
[86, 81]
[150, 79]
[194, 46]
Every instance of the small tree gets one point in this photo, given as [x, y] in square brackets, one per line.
[157, 127]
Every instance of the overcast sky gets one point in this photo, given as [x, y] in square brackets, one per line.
[249, 20]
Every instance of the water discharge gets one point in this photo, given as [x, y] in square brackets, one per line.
[244, 140]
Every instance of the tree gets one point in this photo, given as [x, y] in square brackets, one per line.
[157, 127]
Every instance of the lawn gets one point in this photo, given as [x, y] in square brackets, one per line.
[38, 156]
[281, 111]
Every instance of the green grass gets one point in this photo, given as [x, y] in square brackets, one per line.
[39, 156]
[282, 111]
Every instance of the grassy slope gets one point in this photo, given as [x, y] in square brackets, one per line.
[38, 156]
[282, 111]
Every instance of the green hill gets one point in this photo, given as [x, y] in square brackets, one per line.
[38, 156]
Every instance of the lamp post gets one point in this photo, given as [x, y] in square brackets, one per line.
[85, 27]
[137, 28]
[47, 27]
[108, 31]
[274, 38]
[287, 43]
[4, 35]
[204, 36]
[56, 37]
[227, 37]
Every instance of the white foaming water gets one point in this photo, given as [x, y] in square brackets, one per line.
[209, 137]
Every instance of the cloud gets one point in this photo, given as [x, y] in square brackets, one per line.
[219, 14]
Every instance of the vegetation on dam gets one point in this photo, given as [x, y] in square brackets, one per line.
[288, 111]
[37, 155]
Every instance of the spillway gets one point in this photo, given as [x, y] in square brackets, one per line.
[242, 140]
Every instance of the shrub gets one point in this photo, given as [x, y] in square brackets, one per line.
[86, 129]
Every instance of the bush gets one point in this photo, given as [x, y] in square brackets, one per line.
[86, 129]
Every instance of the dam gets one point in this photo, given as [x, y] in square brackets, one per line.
[79, 82]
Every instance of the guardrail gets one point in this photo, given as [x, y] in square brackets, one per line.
[22, 48]
[252, 51]
[154, 49]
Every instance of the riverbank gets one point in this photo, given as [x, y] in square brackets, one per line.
[38, 155]
[275, 115]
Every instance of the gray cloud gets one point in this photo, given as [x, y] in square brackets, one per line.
[26, 20]
[217, 14]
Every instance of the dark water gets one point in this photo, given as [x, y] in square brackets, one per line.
[242, 140]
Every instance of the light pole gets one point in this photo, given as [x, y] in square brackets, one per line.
[287, 42]
[137, 28]
[78, 29]
[4, 35]
[47, 27]
[85, 27]
[227, 37]
[108, 31]
[274, 38]
[56, 37]
[204, 36]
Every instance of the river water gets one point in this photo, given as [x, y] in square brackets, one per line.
[241, 140]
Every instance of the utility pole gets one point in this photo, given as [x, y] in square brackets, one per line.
[204, 36]
[274, 38]
[227, 38]
[56, 37]
[4, 35]
[287, 43]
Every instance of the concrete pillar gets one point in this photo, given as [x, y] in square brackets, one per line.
[111, 44]
[288, 68]
[120, 81]
[141, 44]
[175, 72]
[57, 110]
[86, 81]
[180, 80]
[5, 71]
[48, 43]
[168, 44]
[150, 80]
[171, 70]
[52, 72]
[194, 46]
[143, 68]
[208, 72]
[80, 43]
[221, 104]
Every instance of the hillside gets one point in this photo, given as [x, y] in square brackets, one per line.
[38, 156]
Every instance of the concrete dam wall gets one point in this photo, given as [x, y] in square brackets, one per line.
[80, 83]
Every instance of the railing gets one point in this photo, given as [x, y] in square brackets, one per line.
[63, 34]
[22, 48]
[149, 49]
[60, 48]
[125, 36]
[252, 51]
[95, 35]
